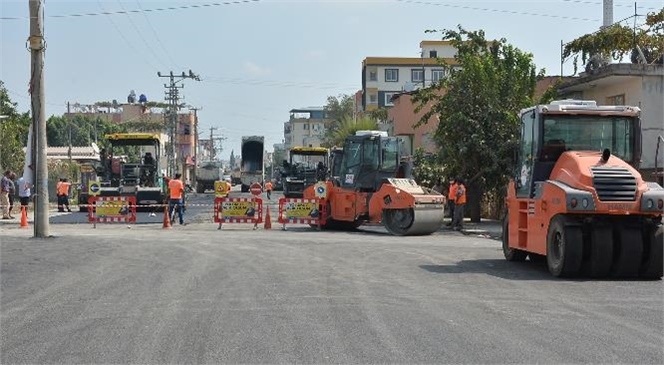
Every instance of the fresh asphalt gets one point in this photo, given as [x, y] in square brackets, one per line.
[195, 294]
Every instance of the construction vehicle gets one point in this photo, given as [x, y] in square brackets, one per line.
[130, 167]
[252, 166]
[373, 188]
[577, 199]
[306, 166]
[206, 174]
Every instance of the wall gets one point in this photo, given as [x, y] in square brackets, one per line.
[403, 117]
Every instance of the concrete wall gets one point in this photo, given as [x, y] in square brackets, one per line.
[403, 117]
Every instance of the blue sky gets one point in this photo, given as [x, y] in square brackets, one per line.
[260, 59]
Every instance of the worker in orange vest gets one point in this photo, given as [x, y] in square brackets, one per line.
[62, 191]
[459, 205]
[268, 189]
[176, 201]
[451, 197]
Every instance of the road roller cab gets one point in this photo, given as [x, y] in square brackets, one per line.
[577, 198]
[373, 185]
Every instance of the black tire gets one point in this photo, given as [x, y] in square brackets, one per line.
[245, 188]
[628, 253]
[564, 248]
[601, 251]
[652, 266]
[511, 254]
[536, 258]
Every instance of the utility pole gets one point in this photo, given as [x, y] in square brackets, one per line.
[195, 148]
[213, 151]
[173, 97]
[38, 106]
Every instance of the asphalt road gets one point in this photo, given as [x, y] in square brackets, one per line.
[193, 294]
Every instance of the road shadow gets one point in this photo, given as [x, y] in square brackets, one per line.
[526, 270]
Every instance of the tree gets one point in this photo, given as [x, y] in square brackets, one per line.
[348, 127]
[13, 133]
[84, 130]
[618, 41]
[478, 128]
[337, 109]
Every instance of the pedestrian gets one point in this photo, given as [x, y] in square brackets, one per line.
[4, 194]
[24, 192]
[268, 189]
[176, 201]
[12, 193]
[459, 205]
[62, 191]
[451, 198]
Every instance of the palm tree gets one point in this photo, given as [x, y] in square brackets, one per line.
[348, 127]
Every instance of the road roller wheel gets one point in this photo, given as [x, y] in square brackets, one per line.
[412, 222]
[511, 254]
[601, 251]
[564, 248]
[628, 252]
[653, 254]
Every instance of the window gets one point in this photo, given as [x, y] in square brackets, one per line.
[391, 75]
[373, 99]
[616, 100]
[305, 126]
[373, 76]
[524, 174]
[390, 154]
[388, 98]
[433, 54]
[417, 75]
[437, 75]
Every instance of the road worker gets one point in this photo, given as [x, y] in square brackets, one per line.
[451, 198]
[459, 205]
[62, 191]
[176, 201]
[268, 189]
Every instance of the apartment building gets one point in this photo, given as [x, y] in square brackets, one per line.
[384, 77]
[305, 127]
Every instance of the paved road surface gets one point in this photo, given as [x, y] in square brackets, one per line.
[193, 294]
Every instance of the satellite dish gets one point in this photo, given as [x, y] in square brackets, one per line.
[408, 86]
[95, 147]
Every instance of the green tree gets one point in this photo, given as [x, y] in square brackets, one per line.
[14, 128]
[337, 109]
[478, 126]
[618, 41]
[348, 127]
[84, 130]
[428, 169]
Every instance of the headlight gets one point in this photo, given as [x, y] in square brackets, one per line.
[650, 204]
[584, 203]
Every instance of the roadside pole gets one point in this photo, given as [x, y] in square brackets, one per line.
[37, 47]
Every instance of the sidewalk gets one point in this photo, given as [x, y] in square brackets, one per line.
[487, 228]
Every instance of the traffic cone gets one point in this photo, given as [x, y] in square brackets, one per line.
[167, 219]
[24, 218]
[268, 221]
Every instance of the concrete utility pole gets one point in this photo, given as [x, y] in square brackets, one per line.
[38, 106]
[173, 97]
[195, 148]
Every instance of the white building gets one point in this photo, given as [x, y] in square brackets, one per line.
[383, 77]
[306, 127]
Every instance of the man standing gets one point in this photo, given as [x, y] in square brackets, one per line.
[62, 190]
[4, 194]
[23, 192]
[451, 198]
[460, 204]
[176, 191]
[268, 189]
[12, 193]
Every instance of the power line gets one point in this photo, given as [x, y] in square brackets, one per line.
[140, 35]
[616, 5]
[268, 83]
[156, 35]
[154, 10]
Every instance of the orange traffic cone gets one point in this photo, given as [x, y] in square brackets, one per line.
[167, 219]
[24, 218]
[268, 221]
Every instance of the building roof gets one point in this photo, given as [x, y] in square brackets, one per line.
[435, 43]
[308, 109]
[405, 61]
[77, 153]
[614, 69]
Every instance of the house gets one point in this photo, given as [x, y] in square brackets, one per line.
[305, 127]
[639, 85]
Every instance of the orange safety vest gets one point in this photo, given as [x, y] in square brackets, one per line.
[268, 186]
[63, 188]
[452, 194]
[461, 195]
[176, 188]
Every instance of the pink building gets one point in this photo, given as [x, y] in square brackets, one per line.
[402, 116]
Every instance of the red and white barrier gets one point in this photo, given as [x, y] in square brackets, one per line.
[300, 211]
[112, 209]
[238, 210]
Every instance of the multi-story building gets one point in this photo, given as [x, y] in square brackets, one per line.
[306, 127]
[383, 77]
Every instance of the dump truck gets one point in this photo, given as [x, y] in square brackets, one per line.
[577, 199]
[252, 169]
[206, 174]
[130, 167]
[305, 167]
[374, 187]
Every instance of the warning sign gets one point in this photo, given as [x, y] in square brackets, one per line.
[238, 209]
[299, 210]
[221, 189]
[112, 208]
[94, 187]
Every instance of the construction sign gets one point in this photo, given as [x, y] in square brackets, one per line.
[94, 187]
[238, 209]
[221, 189]
[108, 209]
[299, 210]
[113, 208]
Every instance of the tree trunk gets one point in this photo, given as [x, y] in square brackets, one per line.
[474, 202]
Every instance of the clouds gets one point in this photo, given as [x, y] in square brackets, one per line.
[254, 69]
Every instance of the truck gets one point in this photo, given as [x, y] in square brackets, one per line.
[206, 174]
[577, 199]
[252, 169]
[306, 166]
[130, 167]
